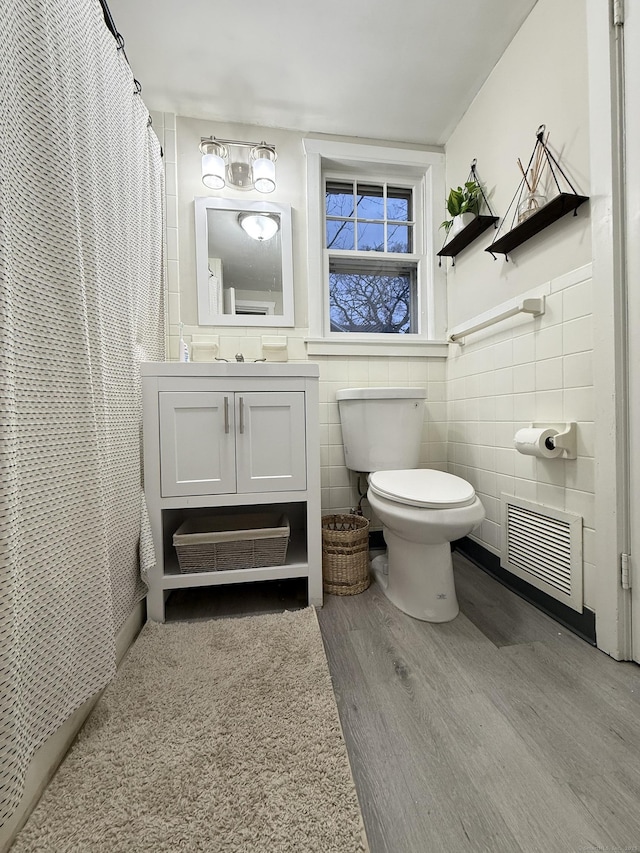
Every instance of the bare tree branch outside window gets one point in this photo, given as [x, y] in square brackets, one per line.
[370, 303]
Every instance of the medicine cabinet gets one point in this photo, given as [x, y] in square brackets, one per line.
[244, 266]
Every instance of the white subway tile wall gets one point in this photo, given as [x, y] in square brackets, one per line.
[529, 372]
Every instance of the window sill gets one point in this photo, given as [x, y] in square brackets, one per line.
[401, 349]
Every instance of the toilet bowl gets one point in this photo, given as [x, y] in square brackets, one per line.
[422, 511]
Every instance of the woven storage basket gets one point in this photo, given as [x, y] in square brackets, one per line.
[247, 541]
[345, 554]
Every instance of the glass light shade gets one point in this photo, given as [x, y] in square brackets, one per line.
[243, 165]
[264, 169]
[259, 226]
[213, 171]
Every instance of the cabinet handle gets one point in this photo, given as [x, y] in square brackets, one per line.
[241, 404]
[226, 414]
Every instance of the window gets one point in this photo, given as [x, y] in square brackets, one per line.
[374, 286]
[369, 217]
[374, 295]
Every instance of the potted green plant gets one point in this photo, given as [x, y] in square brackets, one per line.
[463, 205]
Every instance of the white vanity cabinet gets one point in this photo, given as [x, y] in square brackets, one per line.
[230, 438]
[217, 443]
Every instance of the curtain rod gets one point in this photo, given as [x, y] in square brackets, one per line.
[108, 19]
[111, 26]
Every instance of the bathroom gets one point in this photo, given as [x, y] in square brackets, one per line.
[480, 393]
[554, 369]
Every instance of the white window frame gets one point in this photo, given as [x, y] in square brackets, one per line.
[424, 171]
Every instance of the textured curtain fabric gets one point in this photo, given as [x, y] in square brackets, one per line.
[81, 303]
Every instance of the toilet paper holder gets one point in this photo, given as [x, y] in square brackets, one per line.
[565, 438]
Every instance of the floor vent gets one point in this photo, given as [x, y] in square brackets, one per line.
[543, 546]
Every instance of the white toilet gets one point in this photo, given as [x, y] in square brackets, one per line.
[422, 510]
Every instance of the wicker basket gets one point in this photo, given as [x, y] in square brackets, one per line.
[345, 554]
[246, 541]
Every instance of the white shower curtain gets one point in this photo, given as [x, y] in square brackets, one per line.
[81, 303]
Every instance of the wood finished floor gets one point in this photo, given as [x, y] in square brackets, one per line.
[499, 731]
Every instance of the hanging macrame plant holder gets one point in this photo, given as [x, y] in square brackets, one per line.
[455, 243]
[530, 209]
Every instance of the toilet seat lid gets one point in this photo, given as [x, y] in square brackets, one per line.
[423, 487]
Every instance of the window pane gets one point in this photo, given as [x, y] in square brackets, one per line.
[370, 236]
[399, 238]
[339, 199]
[371, 300]
[399, 204]
[340, 234]
[370, 202]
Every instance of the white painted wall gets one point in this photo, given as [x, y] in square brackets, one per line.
[541, 79]
[525, 370]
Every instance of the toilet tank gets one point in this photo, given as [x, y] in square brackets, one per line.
[381, 427]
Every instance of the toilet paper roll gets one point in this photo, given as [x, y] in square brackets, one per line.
[535, 442]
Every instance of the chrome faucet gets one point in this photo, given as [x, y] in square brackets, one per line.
[239, 356]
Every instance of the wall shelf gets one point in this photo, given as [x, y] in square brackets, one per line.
[552, 211]
[461, 240]
[541, 163]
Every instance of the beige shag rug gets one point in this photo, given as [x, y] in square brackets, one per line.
[220, 736]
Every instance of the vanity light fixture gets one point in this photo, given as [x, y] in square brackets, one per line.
[259, 226]
[242, 165]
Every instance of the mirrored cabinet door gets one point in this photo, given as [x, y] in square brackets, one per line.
[244, 263]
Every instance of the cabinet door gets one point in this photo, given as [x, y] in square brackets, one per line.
[197, 443]
[271, 441]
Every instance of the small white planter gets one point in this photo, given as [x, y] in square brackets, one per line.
[460, 222]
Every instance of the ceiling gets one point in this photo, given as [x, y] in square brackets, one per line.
[403, 71]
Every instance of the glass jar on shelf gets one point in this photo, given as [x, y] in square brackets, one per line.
[531, 203]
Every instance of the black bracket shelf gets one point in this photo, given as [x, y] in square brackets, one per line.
[558, 207]
[474, 229]
[468, 234]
